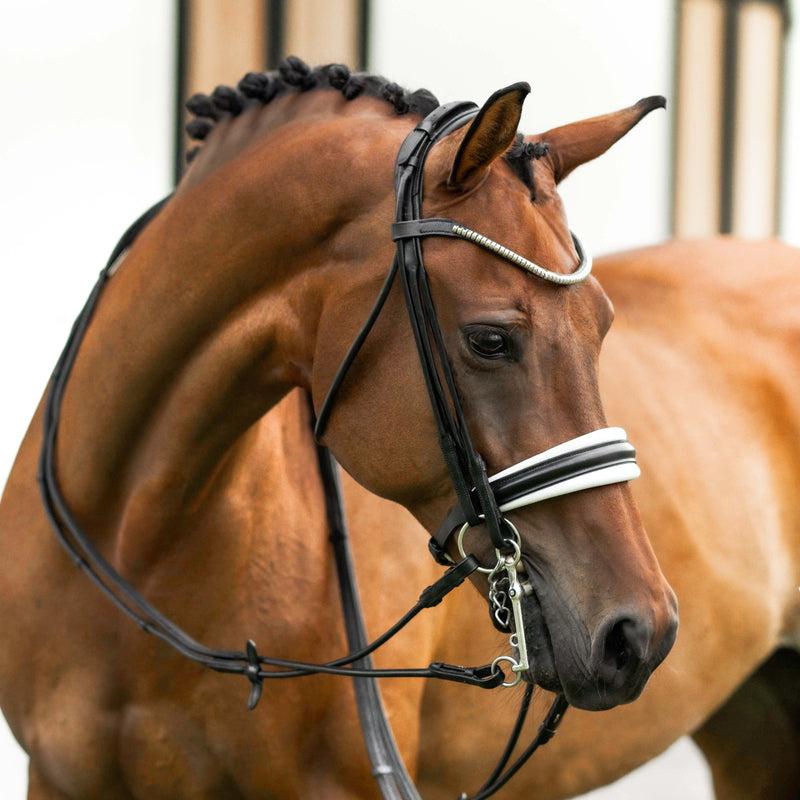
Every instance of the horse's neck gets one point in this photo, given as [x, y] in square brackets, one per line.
[208, 323]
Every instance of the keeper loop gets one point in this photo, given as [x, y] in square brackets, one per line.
[253, 672]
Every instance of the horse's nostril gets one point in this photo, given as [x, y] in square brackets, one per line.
[621, 646]
[617, 645]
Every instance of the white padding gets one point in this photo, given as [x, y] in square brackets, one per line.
[598, 437]
[604, 476]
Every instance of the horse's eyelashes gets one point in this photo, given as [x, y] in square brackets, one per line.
[489, 343]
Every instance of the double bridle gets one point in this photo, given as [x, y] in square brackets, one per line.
[596, 459]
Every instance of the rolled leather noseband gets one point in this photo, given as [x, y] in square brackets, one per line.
[599, 458]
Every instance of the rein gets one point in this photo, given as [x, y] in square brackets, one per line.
[388, 767]
[596, 459]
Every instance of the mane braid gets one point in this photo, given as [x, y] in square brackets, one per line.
[294, 75]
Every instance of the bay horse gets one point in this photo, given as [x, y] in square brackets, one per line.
[185, 450]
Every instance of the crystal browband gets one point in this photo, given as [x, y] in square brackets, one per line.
[441, 226]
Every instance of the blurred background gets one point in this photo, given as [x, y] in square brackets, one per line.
[92, 99]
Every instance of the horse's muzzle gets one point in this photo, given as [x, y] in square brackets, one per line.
[625, 649]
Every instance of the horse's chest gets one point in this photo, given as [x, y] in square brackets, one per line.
[136, 753]
[164, 753]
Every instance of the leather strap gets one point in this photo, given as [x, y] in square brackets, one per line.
[466, 467]
[430, 226]
[388, 767]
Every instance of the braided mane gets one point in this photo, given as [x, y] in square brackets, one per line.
[293, 74]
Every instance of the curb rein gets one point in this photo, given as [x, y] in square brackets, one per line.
[595, 459]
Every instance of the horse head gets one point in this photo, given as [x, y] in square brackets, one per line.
[522, 354]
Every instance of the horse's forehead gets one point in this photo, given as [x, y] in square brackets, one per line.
[481, 286]
[503, 204]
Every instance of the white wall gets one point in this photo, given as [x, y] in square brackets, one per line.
[85, 147]
[582, 58]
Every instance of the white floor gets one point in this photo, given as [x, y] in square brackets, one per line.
[13, 766]
[679, 774]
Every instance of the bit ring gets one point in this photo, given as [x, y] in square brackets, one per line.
[515, 542]
[514, 668]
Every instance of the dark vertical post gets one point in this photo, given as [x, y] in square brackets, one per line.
[182, 12]
[363, 35]
[729, 79]
[276, 32]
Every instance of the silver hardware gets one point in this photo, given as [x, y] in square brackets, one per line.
[460, 541]
[514, 668]
[505, 587]
[517, 639]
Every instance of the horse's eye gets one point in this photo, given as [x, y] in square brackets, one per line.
[489, 342]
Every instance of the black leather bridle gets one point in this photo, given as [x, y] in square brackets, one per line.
[593, 460]
[588, 461]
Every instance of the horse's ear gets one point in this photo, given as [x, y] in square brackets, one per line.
[491, 133]
[575, 144]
